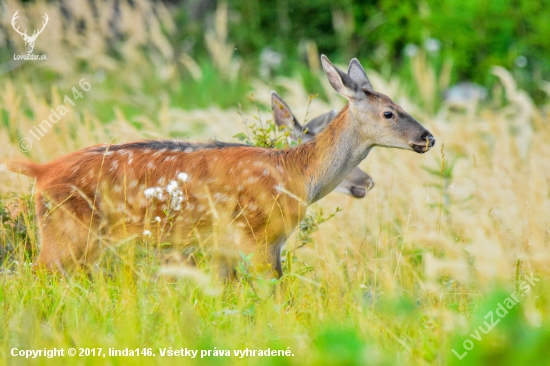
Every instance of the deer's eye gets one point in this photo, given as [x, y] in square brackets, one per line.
[388, 115]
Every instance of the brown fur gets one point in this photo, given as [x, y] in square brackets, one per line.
[95, 196]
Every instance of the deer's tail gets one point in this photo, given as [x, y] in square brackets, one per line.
[26, 167]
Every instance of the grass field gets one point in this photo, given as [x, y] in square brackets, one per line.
[446, 261]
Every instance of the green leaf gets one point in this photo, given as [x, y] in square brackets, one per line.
[241, 136]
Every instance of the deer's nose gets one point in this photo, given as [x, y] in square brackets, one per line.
[428, 136]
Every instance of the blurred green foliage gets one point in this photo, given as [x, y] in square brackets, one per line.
[474, 34]
[459, 40]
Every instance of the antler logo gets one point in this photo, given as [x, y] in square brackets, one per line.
[29, 40]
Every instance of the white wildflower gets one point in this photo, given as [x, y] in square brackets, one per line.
[183, 177]
[176, 200]
[157, 219]
[173, 185]
[410, 50]
[521, 61]
[149, 192]
[432, 45]
[146, 233]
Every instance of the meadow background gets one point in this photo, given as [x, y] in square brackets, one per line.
[400, 277]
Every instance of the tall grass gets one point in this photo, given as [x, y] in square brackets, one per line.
[401, 277]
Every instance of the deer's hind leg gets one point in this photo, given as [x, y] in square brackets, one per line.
[70, 233]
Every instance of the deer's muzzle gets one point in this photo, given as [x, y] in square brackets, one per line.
[423, 144]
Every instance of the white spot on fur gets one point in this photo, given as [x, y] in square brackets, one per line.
[160, 152]
[133, 184]
[220, 197]
[188, 150]
[114, 166]
[161, 181]
[117, 188]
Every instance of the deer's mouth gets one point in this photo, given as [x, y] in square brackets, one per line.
[361, 191]
[423, 144]
[358, 192]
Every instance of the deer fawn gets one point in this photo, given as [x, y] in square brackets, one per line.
[229, 197]
[357, 183]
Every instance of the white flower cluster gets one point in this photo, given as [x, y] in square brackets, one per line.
[154, 192]
[173, 190]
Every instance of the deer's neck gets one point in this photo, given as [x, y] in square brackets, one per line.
[327, 160]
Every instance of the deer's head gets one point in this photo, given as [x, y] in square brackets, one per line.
[374, 115]
[29, 40]
[357, 183]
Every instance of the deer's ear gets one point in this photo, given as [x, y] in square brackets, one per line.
[340, 81]
[283, 115]
[357, 73]
[319, 123]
